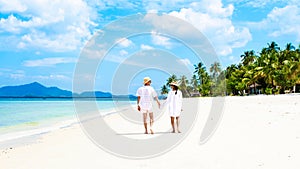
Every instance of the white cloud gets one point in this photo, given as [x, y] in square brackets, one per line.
[90, 53]
[146, 47]
[116, 59]
[105, 4]
[12, 74]
[158, 39]
[153, 11]
[185, 61]
[48, 62]
[51, 77]
[214, 21]
[124, 42]
[12, 5]
[213, 8]
[261, 3]
[281, 22]
[164, 5]
[123, 53]
[17, 76]
[59, 25]
[60, 42]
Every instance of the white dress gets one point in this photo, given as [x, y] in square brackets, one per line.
[174, 103]
[146, 93]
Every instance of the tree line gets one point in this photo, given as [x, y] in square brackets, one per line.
[270, 71]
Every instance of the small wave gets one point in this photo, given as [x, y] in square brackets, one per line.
[37, 131]
[36, 128]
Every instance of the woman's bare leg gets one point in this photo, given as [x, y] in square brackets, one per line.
[177, 122]
[172, 123]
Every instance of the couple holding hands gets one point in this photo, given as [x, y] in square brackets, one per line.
[146, 93]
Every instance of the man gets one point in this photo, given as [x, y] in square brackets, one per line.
[145, 96]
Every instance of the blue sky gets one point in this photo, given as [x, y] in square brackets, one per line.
[42, 40]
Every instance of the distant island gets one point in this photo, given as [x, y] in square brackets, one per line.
[37, 90]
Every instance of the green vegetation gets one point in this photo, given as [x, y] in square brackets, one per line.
[270, 71]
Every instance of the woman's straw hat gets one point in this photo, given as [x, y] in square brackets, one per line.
[146, 80]
[174, 83]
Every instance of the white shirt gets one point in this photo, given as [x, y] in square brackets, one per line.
[146, 93]
[174, 103]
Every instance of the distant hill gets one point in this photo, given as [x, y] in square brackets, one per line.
[34, 89]
[96, 94]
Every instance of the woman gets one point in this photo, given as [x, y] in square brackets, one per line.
[174, 103]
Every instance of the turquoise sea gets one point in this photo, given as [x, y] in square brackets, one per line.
[20, 117]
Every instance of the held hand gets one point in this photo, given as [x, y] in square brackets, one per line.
[158, 104]
[139, 108]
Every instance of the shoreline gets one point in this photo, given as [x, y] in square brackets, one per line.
[32, 134]
[15, 134]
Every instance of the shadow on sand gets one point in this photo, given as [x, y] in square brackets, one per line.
[128, 134]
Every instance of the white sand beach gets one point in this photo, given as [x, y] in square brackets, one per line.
[255, 132]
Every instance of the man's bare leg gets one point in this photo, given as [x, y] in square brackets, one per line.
[145, 122]
[151, 122]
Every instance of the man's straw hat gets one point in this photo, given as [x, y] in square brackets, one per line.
[146, 80]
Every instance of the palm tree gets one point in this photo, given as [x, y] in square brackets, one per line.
[220, 85]
[215, 69]
[273, 47]
[249, 61]
[274, 69]
[164, 90]
[171, 79]
[204, 80]
[289, 47]
[298, 49]
[183, 86]
[287, 53]
[237, 77]
[193, 88]
[194, 83]
[233, 77]
[289, 68]
[230, 69]
[205, 87]
[268, 65]
[248, 57]
[200, 71]
[250, 78]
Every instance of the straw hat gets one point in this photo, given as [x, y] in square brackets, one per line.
[174, 83]
[146, 80]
